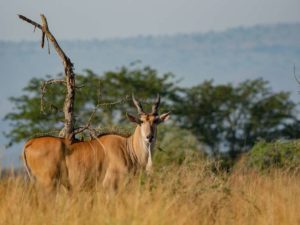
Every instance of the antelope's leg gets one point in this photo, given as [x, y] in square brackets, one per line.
[47, 184]
[64, 180]
[110, 181]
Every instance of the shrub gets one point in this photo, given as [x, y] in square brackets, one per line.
[278, 154]
[176, 145]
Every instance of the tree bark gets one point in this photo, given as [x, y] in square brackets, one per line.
[69, 77]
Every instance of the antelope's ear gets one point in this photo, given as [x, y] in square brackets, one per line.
[164, 117]
[133, 119]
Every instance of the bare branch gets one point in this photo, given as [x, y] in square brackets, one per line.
[43, 40]
[88, 125]
[69, 75]
[80, 130]
[93, 132]
[54, 81]
[48, 44]
[79, 86]
[125, 99]
[296, 78]
[30, 21]
[62, 133]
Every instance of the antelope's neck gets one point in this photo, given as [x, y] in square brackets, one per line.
[142, 149]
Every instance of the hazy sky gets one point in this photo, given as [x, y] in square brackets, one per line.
[70, 19]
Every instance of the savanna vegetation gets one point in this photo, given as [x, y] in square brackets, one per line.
[191, 191]
[230, 155]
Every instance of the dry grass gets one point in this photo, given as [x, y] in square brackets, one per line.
[187, 194]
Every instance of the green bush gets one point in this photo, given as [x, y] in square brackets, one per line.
[278, 154]
[175, 146]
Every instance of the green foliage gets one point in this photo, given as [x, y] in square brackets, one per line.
[175, 145]
[28, 118]
[110, 93]
[278, 154]
[227, 117]
[114, 86]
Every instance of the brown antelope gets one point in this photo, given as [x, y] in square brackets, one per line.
[106, 158]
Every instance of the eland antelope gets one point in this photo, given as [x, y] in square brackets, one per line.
[106, 159]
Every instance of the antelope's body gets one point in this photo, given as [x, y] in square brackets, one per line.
[105, 159]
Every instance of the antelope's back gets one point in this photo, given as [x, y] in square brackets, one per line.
[86, 162]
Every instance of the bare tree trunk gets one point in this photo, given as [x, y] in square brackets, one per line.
[69, 77]
[69, 105]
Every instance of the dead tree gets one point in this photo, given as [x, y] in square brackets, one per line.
[69, 131]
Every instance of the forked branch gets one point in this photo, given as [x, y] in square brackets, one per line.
[88, 125]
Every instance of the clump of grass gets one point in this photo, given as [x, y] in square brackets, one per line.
[189, 193]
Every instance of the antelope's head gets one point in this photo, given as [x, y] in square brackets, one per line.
[148, 121]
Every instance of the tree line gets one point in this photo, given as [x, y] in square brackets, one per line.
[223, 117]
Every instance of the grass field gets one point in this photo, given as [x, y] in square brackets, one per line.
[187, 194]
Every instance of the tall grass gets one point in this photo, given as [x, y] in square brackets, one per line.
[189, 193]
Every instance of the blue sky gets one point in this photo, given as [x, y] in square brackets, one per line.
[103, 19]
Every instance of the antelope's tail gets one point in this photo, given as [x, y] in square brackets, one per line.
[26, 164]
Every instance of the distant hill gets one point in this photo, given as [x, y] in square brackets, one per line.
[233, 55]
